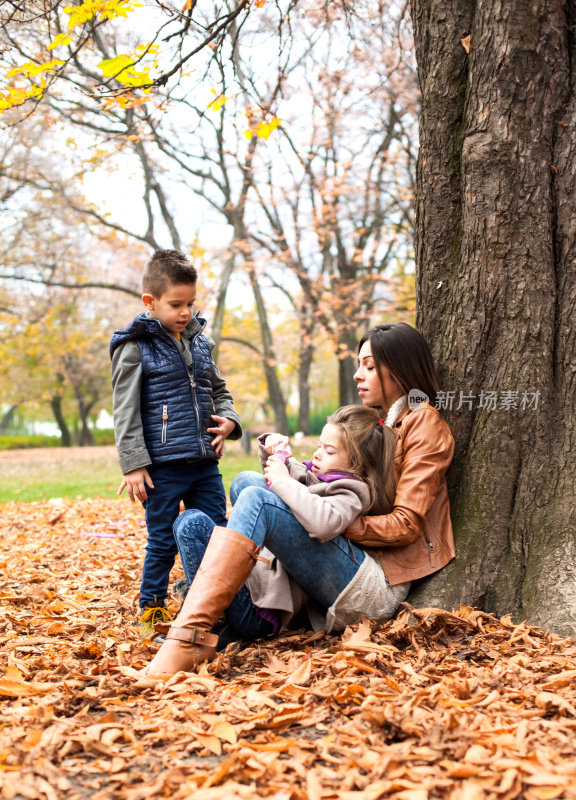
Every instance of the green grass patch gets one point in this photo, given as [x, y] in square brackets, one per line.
[83, 472]
[43, 474]
[17, 441]
[80, 472]
[24, 442]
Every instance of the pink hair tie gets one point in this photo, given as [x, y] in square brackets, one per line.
[381, 422]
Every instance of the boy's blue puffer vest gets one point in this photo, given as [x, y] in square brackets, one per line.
[175, 406]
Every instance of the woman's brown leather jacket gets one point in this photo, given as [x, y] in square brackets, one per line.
[416, 538]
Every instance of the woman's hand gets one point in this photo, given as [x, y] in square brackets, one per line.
[275, 469]
[354, 528]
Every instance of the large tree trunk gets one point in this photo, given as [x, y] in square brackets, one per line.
[496, 293]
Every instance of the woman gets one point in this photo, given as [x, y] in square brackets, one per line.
[365, 572]
[416, 538]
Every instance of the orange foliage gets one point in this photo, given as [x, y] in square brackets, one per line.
[433, 704]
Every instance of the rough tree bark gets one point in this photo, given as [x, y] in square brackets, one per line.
[496, 293]
[7, 418]
[347, 366]
[305, 360]
[65, 435]
[275, 393]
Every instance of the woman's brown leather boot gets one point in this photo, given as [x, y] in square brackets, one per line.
[227, 562]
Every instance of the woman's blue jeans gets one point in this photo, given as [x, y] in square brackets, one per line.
[322, 569]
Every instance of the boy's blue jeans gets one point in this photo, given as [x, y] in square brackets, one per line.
[199, 485]
[322, 569]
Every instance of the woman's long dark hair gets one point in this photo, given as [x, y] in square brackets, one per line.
[404, 352]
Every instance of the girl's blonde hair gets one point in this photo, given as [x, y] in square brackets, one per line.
[370, 447]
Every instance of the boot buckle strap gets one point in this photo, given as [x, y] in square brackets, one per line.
[198, 636]
[193, 636]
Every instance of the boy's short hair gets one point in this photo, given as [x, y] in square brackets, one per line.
[167, 268]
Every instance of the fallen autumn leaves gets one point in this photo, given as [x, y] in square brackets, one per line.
[430, 705]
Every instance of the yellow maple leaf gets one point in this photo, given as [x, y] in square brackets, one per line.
[218, 102]
[107, 9]
[132, 77]
[262, 129]
[147, 49]
[112, 67]
[32, 70]
[118, 8]
[122, 69]
[77, 15]
[61, 40]
[14, 95]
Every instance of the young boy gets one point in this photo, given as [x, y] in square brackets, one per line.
[172, 412]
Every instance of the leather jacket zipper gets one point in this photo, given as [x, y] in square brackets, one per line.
[429, 543]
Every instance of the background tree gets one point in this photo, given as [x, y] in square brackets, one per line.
[62, 31]
[59, 360]
[496, 258]
[337, 200]
[219, 170]
[327, 207]
[226, 147]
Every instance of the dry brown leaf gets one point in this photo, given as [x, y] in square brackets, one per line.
[472, 791]
[567, 678]
[226, 732]
[301, 673]
[547, 700]
[435, 704]
[212, 743]
[313, 786]
[10, 688]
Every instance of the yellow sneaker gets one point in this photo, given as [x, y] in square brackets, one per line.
[153, 613]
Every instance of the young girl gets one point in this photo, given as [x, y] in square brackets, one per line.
[344, 478]
[349, 475]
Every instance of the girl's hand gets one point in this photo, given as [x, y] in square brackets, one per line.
[275, 469]
[275, 441]
[223, 428]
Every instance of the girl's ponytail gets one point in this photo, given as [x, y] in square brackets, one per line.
[370, 446]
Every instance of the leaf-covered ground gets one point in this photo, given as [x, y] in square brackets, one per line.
[431, 705]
